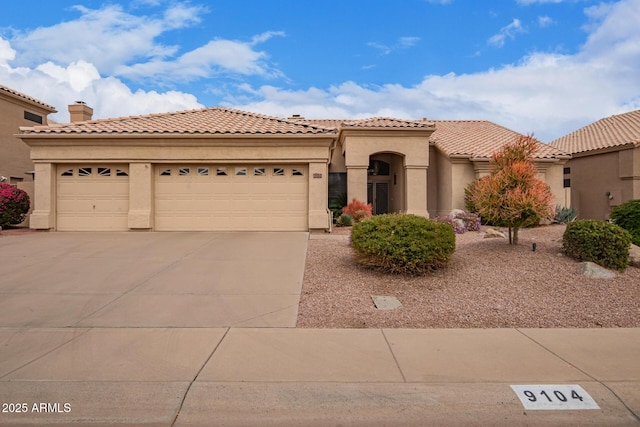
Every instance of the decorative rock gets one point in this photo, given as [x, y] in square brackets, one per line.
[594, 271]
[634, 256]
[490, 233]
[385, 302]
[456, 212]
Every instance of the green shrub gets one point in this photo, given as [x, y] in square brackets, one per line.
[398, 243]
[601, 242]
[14, 205]
[627, 216]
[344, 220]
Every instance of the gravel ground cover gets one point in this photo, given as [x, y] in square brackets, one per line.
[487, 284]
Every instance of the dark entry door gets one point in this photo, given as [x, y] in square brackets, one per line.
[378, 196]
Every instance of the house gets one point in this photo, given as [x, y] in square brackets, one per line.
[224, 169]
[18, 109]
[604, 170]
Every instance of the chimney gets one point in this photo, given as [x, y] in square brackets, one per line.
[80, 112]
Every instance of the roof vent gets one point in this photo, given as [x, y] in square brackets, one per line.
[80, 112]
[296, 117]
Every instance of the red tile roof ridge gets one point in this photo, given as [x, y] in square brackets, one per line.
[28, 98]
[618, 130]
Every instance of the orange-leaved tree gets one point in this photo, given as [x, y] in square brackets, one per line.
[512, 195]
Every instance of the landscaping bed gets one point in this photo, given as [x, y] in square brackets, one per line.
[487, 284]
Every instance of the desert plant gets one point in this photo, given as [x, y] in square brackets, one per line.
[344, 220]
[512, 196]
[601, 242]
[400, 243]
[14, 205]
[337, 203]
[627, 216]
[358, 210]
[564, 215]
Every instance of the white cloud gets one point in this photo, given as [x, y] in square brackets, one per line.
[545, 21]
[546, 93]
[60, 86]
[401, 44]
[510, 31]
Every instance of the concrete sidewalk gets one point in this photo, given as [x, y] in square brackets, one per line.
[286, 376]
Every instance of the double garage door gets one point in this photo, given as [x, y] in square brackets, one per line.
[207, 197]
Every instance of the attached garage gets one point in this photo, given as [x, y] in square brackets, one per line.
[213, 169]
[241, 197]
[92, 197]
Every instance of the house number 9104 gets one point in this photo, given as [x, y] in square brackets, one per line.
[549, 397]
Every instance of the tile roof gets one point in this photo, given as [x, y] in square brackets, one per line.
[373, 122]
[614, 131]
[214, 120]
[15, 94]
[480, 138]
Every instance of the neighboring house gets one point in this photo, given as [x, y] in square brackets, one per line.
[225, 169]
[604, 170]
[18, 109]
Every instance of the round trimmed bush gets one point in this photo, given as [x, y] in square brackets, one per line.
[14, 205]
[399, 243]
[601, 242]
[344, 220]
[627, 216]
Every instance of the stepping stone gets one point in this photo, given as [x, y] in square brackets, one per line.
[385, 302]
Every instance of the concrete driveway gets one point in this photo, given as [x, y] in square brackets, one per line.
[181, 279]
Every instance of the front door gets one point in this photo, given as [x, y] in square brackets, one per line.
[378, 195]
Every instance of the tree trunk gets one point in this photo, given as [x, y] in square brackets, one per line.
[515, 235]
[510, 238]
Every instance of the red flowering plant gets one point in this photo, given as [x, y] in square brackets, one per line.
[358, 210]
[512, 195]
[14, 205]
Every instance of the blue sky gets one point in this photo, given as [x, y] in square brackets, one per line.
[543, 66]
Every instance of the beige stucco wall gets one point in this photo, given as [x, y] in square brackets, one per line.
[412, 147]
[593, 176]
[142, 153]
[14, 154]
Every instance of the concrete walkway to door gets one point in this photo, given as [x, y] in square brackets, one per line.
[172, 279]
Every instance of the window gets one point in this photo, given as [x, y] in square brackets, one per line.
[121, 173]
[203, 171]
[166, 172]
[241, 171]
[296, 172]
[567, 171]
[68, 172]
[259, 171]
[221, 171]
[278, 171]
[84, 171]
[33, 117]
[567, 183]
[184, 171]
[104, 171]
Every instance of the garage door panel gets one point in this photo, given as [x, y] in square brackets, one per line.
[257, 199]
[92, 198]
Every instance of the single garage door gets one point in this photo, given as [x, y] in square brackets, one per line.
[92, 197]
[231, 197]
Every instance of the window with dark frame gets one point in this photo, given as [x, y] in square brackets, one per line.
[33, 117]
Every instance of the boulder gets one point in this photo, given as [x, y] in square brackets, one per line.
[456, 212]
[594, 271]
[634, 256]
[490, 233]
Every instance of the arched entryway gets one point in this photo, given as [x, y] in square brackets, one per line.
[385, 183]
